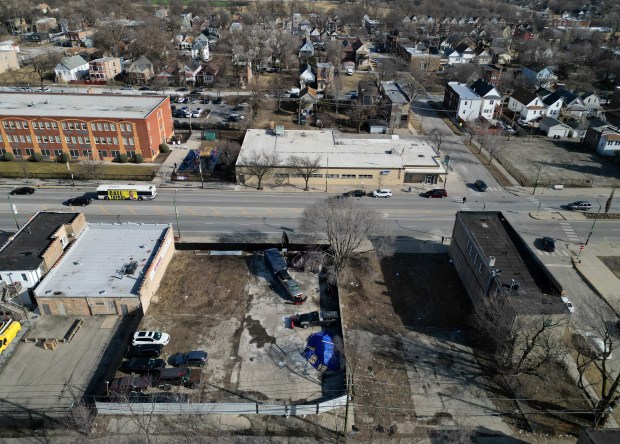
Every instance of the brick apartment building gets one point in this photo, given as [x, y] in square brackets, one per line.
[104, 69]
[83, 126]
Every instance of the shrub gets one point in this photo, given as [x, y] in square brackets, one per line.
[122, 158]
[63, 158]
[164, 148]
[36, 157]
[8, 157]
[138, 158]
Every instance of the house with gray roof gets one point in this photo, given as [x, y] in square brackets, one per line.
[491, 98]
[71, 69]
[396, 103]
[140, 70]
[461, 99]
[527, 104]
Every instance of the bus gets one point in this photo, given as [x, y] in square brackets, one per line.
[8, 331]
[126, 192]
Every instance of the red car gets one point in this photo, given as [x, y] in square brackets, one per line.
[436, 193]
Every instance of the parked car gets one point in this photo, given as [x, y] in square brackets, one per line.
[150, 337]
[144, 351]
[436, 193]
[206, 101]
[580, 205]
[382, 193]
[482, 187]
[23, 190]
[128, 385]
[548, 244]
[194, 358]
[190, 378]
[315, 318]
[217, 100]
[44, 89]
[600, 347]
[126, 88]
[568, 304]
[144, 88]
[144, 365]
[182, 89]
[80, 201]
[197, 112]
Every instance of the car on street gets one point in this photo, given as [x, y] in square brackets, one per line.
[144, 351]
[436, 193]
[23, 191]
[144, 88]
[150, 337]
[143, 365]
[481, 186]
[356, 193]
[382, 193]
[80, 201]
[580, 205]
[194, 358]
[568, 304]
[44, 89]
[548, 244]
[182, 89]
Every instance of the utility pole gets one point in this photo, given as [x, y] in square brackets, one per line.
[537, 176]
[598, 213]
[13, 210]
[176, 213]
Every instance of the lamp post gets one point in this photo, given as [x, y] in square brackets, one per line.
[176, 213]
[598, 213]
[537, 176]
[13, 210]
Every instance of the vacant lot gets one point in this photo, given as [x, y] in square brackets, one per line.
[27, 167]
[230, 307]
[612, 263]
[563, 162]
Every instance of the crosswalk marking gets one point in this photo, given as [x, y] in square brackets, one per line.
[564, 253]
[570, 233]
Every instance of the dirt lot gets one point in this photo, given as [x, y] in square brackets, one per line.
[612, 263]
[562, 162]
[416, 364]
[230, 307]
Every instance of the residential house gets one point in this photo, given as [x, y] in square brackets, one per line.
[189, 71]
[545, 78]
[371, 26]
[467, 52]
[307, 75]
[200, 48]
[368, 93]
[169, 76]
[104, 69]
[419, 56]
[306, 49]
[574, 106]
[396, 104]
[527, 104]
[140, 71]
[483, 56]
[553, 128]
[32, 252]
[491, 103]
[553, 103]
[523, 33]
[315, 35]
[605, 140]
[593, 103]
[9, 58]
[324, 75]
[308, 98]
[78, 37]
[492, 74]
[71, 69]
[453, 57]
[47, 24]
[362, 54]
[461, 99]
[208, 75]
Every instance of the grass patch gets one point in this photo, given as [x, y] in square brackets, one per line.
[27, 168]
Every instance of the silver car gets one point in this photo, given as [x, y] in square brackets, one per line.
[580, 205]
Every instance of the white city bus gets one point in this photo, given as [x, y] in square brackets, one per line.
[126, 192]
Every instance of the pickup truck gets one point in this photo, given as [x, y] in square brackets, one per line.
[278, 268]
[314, 318]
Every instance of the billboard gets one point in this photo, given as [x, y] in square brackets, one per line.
[123, 194]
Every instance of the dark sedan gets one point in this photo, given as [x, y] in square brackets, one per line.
[437, 193]
[144, 365]
[191, 359]
[548, 244]
[145, 351]
[23, 190]
[481, 185]
[80, 201]
[356, 193]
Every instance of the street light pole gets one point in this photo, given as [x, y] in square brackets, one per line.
[537, 176]
[176, 213]
[598, 213]
[13, 210]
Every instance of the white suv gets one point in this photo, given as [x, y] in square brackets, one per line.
[382, 193]
[150, 337]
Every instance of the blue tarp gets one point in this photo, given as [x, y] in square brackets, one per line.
[321, 352]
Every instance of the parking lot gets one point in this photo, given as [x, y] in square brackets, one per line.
[229, 307]
[225, 110]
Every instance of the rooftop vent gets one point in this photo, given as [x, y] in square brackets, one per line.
[130, 268]
[102, 292]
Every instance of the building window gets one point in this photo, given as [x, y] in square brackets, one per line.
[112, 127]
[9, 138]
[35, 125]
[24, 277]
[130, 141]
[115, 153]
[38, 139]
[332, 176]
[64, 126]
[5, 124]
[316, 175]
[109, 140]
[54, 125]
[93, 126]
[29, 152]
[57, 139]
[70, 124]
[110, 304]
[99, 127]
[348, 176]
[44, 139]
[106, 127]
[57, 152]
[364, 176]
[74, 153]
[48, 125]
[115, 140]
[80, 140]
[18, 124]
[45, 153]
[17, 152]
[85, 153]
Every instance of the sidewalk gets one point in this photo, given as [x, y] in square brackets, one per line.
[595, 272]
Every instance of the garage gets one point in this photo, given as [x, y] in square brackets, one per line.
[553, 128]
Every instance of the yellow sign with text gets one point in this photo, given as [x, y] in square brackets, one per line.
[122, 195]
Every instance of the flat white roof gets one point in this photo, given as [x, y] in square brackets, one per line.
[342, 150]
[112, 106]
[464, 91]
[93, 264]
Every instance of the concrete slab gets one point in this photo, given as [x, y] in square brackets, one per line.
[594, 271]
[44, 383]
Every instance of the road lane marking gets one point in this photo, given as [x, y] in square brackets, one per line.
[103, 209]
[131, 210]
[160, 210]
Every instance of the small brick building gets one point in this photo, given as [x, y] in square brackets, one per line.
[110, 269]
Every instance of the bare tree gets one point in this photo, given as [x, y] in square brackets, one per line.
[521, 343]
[306, 166]
[437, 137]
[359, 114]
[259, 164]
[109, 37]
[599, 323]
[410, 85]
[44, 65]
[91, 169]
[257, 97]
[344, 224]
